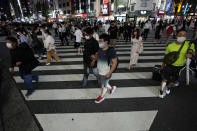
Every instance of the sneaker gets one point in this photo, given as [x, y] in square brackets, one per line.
[168, 91]
[161, 94]
[99, 99]
[48, 64]
[37, 79]
[176, 84]
[111, 91]
[29, 93]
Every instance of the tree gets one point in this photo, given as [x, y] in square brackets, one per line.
[116, 3]
[45, 9]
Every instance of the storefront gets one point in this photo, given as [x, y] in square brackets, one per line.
[120, 17]
[140, 15]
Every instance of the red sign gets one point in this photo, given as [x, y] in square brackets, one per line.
[105, 1]
[80, 15]
[160, 12]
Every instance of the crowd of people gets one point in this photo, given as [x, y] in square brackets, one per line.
[97, 42]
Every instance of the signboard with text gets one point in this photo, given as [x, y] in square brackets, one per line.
[144, 5]
[105, 9]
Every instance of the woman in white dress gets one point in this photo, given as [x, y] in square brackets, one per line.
[136, 41]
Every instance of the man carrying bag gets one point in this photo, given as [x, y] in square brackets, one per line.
[174, 61]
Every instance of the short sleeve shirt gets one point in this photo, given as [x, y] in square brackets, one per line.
[113, 32]
[103, 57]
[182, 57]
[23, 39]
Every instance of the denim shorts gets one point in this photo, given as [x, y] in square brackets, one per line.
[103, 81]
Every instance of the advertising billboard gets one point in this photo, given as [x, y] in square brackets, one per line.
[144, 5]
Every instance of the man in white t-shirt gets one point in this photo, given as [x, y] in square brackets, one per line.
[147, 28]
[78, 34]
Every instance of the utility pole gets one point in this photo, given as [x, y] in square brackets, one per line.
[98, 7]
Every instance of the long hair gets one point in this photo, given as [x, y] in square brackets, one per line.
[138, 34]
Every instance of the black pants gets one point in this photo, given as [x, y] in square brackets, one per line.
[171, 73]
[61, 38]
[65, 38]
[146, 31]
[127, 37]
[56, 34]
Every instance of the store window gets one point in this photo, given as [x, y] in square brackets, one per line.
[132, 7]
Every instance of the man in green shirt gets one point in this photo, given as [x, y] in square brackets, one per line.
[171, 72]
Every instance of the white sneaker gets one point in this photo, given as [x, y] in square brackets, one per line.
[177, 84]
[167, 91]
[161, 95]
[48, 64]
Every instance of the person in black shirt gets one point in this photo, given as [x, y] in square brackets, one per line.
[113, 31]
[23, 57]
[36, 43]
[90, 53]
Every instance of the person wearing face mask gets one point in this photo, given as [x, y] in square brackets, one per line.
[170, 73]
[113, 31]
[90, 53]
[49, 44]
[23, 57]
[107, 63]
[78, 34]
[95, 34]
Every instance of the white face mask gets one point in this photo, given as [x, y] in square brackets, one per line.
[87, 37]
[9, 45]
[18, 33]
[181, 39]
[102, 45]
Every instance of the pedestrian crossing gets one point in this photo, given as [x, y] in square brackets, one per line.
[60, 103]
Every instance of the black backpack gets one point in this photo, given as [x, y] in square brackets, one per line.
[109, 60]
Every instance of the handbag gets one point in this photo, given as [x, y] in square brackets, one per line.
[157, 73]
[172, 57]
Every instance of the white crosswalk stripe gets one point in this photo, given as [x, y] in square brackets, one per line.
[59, 103]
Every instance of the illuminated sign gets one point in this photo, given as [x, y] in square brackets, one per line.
[143, 12]
[105, 1]
[105, 9]
[185, 8]
[80, 15]
[179, 6]
[168, 6]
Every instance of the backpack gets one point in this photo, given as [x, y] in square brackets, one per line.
[169, 30]
[109, 60]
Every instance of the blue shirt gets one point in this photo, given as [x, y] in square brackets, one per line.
[24, 39]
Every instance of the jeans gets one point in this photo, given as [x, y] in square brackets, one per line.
[146, 31]
[39, 52]
[86, 74]
[28, 78]
[103, 81]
